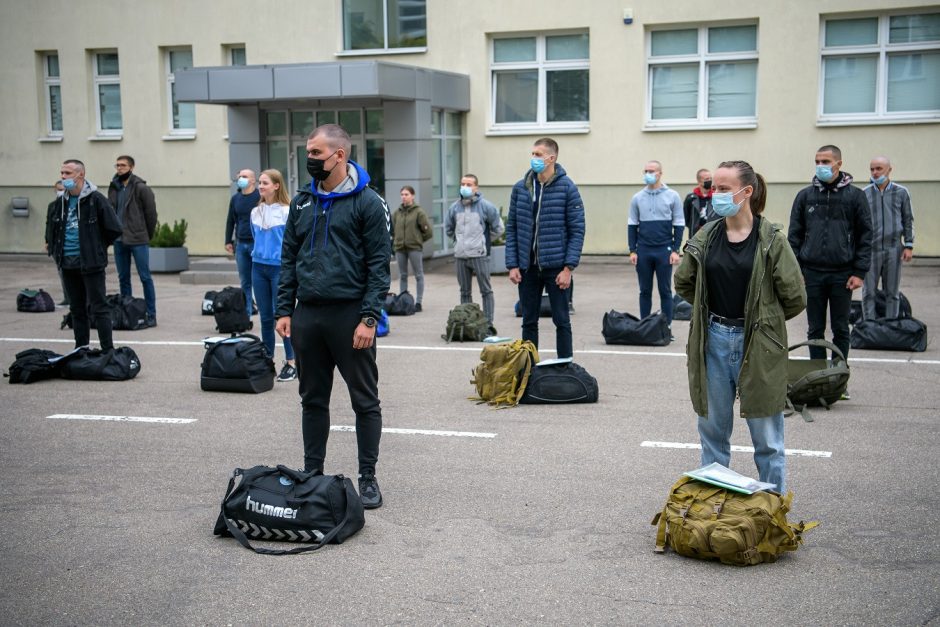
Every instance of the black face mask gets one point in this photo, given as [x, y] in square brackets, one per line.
[123, 177]
[315, 168]
[707, 184]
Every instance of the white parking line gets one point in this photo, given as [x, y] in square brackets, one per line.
[453, 434]
[174, 421]
[793, 452]
[474, 349]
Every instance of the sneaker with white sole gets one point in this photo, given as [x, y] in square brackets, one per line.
[288, 373]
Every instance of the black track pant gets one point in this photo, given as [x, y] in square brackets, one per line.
[87, 299]
[322, 337]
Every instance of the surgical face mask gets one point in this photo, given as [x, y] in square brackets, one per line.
[879, 180]
[537, 164]
[724, 205]
[315, 168]
[68, 184]
[242, 182]
[649, 178]
[824, 173]
[466, 191]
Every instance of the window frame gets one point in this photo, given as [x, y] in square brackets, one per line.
[703, 58]
[231, 55]
[353, 52]
[542, 66]
[444, 200]
[881, 50]
[48, 83]
[106, 79]
[182, 132]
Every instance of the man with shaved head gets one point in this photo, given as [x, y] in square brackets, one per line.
[239, 239]
[892, 221]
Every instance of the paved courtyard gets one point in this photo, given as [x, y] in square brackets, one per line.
[536, 515]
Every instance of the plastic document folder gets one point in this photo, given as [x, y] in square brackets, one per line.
[718, 475]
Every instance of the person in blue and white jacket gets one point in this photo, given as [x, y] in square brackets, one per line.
[268, 220]
[654, 235]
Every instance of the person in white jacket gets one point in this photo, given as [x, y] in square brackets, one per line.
[473, 223]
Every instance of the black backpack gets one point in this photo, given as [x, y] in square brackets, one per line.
[881, 299]
[87, 364]
[34, 301]
[559, 383]
[399, 304]
[890, 334]
[228, 307]
[624, 328]
[237, 364]
[33, 365]
[207, 302]
[681, 308]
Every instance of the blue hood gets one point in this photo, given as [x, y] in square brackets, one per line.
[325, 200]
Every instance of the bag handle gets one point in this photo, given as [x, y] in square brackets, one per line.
[239, 535]
[823, 344]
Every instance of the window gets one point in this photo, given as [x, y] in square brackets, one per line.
[388, 25]
[702, 77]
[52, 82]
[446, 170]
[880, 69]
[182, 114]
[107, 79]
[540, 82]
[237, 56]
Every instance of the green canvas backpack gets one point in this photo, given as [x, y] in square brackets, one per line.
[503, 372]
[815, 382]
[707, 522]
[467, 323]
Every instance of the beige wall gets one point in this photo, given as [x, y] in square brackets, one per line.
[193, 175]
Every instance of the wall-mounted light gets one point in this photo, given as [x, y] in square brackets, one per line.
[628, 16]
[20, 206]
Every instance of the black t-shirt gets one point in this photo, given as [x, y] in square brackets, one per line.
[728, 267]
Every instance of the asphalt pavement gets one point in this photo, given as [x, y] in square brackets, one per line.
[541, 517]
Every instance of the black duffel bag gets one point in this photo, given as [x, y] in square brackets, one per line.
[881, 299]
[624, 328]
[399, 304]
[545, 308]
[566, 382]
[237, 364]
[681, 308]
[127, 313]
[87, 364]
[890, 334]
[34, 301]
[33, 365]
[290, 506]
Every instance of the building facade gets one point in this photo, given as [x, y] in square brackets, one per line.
[431, 89]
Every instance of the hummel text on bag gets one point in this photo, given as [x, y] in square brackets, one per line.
[269, 510]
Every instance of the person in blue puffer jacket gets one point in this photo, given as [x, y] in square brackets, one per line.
[267, 227]
[544, 237]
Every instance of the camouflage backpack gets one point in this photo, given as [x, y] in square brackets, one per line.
[504, 371]
[707, 522]
[467, 323]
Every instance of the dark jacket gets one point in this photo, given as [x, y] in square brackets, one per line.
[238, 222]
[138, 215]
[560, 229]
[774, 295]
[337, 247]
[830, 227]
[98, 227]
[692, 208]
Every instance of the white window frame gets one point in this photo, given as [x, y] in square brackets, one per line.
[108, 79]
[183, 132]
[881, 49]
[385, 49]
[543, 66]
[48, 83]
[703, 58]
[444, 201]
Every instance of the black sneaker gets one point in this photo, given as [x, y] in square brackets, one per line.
[288, 373]
[417, 307]
[151, 320]
[570, 309]
[369, 492]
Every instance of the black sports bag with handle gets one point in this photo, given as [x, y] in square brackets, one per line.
[624, 328]
[34, 301]
[33, 365]
[116, 364]
[893, 334]
[237, 364]
[287, 505]
[559, 383]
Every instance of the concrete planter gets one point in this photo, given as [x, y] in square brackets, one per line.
[169, 259]
[498, 260]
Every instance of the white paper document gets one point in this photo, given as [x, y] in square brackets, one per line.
[718, 475]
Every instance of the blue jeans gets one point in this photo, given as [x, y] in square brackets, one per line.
[141, 255]
[650, 261]
[264, 279]
[530, 298]
[243, 262]
[723, 355]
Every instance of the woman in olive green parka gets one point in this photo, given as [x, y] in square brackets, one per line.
[744, 283]
[410, 230]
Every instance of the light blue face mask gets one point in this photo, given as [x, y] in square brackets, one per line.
[723, 204]
[880, 180]
[242, 182]
[649, 178]
[824, 173]
[68, 184]
[537, 164]
[466, 191]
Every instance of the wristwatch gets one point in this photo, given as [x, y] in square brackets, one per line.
[369, 321]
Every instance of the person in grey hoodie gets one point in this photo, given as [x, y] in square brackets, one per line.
[472, 223]
[78, 232]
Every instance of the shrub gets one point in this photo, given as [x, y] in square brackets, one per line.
[169, 237]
